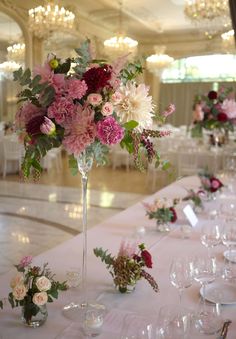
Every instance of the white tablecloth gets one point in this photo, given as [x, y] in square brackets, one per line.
[108, 235]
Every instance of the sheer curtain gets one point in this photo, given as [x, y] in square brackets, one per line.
[182, 95]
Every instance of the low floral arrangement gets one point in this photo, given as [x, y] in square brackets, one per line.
[216, 110]
[209, 183]
[86, 105]
[163, 210]
[128, 266]
[32, 288]
[196, 198]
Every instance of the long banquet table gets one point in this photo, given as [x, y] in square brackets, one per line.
[108, 234]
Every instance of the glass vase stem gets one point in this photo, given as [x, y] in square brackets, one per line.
[84, 181]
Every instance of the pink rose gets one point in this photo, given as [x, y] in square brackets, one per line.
[107, 109]
[43, 283]
[17, 280]
[40, 299]
[19, 292]
[116, 97]
[94, 99]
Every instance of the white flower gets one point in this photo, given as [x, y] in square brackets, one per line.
[17, 280]
[43, 283]
[40, 298]
[135, 105]
[19, 292]
[229, 108]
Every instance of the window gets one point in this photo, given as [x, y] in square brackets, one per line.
[202, 69]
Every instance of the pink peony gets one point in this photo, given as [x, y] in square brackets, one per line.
[82, 132]
[26, 113]
[107, 109]
[76, 88]
[61, 110]
[229, 108]
[109, 132]
[94, 99]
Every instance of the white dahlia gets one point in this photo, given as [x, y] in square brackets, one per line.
[135, 104]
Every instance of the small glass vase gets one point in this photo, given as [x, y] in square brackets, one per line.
[33, 318]
[125, 289]
[163, 226]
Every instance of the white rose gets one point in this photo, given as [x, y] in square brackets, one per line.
[19, 292]
[17, 280]
[40, 298]
[43, 283]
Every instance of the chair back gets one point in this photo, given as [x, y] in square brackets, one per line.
[12, 149]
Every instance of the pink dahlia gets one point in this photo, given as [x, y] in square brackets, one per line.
[61, 110]
[26, 113]
[76, 88]
[229, 108]
[109, 132]
[82, 132]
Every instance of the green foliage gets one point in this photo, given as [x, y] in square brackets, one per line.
[83, 58]
[73, 165]
[105, 257]
[127, 142]
[100, 152]
[130, 125]
[63, 67]
[131, 71]
[196, 131]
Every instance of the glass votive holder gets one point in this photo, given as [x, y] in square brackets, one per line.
[73, 277]
[186, 231]
[93, 321]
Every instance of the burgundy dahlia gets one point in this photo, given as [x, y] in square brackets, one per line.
[147, 258]
[97, 78]
[222, 117]
[33, 126]
[215, 184]
[212, 95]
[174, 214]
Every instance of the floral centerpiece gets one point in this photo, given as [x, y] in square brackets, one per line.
[209, 183]
[216, 110]
[196, 198]
[32, 288]
[85, 107]
[163, 210]
[128, 266]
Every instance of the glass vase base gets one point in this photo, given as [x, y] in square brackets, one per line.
[76, 311]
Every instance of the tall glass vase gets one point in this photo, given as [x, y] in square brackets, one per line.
[85, 162]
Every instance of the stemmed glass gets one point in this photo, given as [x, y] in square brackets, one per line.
[210, 236]
[228, 237]
[181, 274]
[137, 327]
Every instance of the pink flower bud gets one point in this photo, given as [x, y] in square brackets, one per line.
[47, 127]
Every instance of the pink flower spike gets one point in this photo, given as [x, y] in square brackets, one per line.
[26, 261]
[169, 110]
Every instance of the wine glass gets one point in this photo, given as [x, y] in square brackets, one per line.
[137, 327]
[210, 236]
[228, 237]
[227, 210]
[181, 274]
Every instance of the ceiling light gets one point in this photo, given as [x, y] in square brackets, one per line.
[16, 52]
[43, 20]
[8, 67]
[156, 63]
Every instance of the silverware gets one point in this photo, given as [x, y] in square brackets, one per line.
[224, 330]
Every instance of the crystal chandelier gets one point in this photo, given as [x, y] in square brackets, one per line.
[228, 40]
[211, 15]
[156, 63]
[120, 44]
[43, 20]
[16, 52]
[8, 67]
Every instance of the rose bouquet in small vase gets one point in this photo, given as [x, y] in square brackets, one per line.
[163, 210]
[128, 266]
[32, 288]
[209, 183]
[196, 199]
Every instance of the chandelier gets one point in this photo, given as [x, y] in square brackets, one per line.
[156, 63]
[43, 20]
[120, 44]
[16, 52]
[228, 40]
[211, 15]
[8, 67]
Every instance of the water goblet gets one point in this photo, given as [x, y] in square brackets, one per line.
[210, 236]
[93, 320]
[181, 274]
